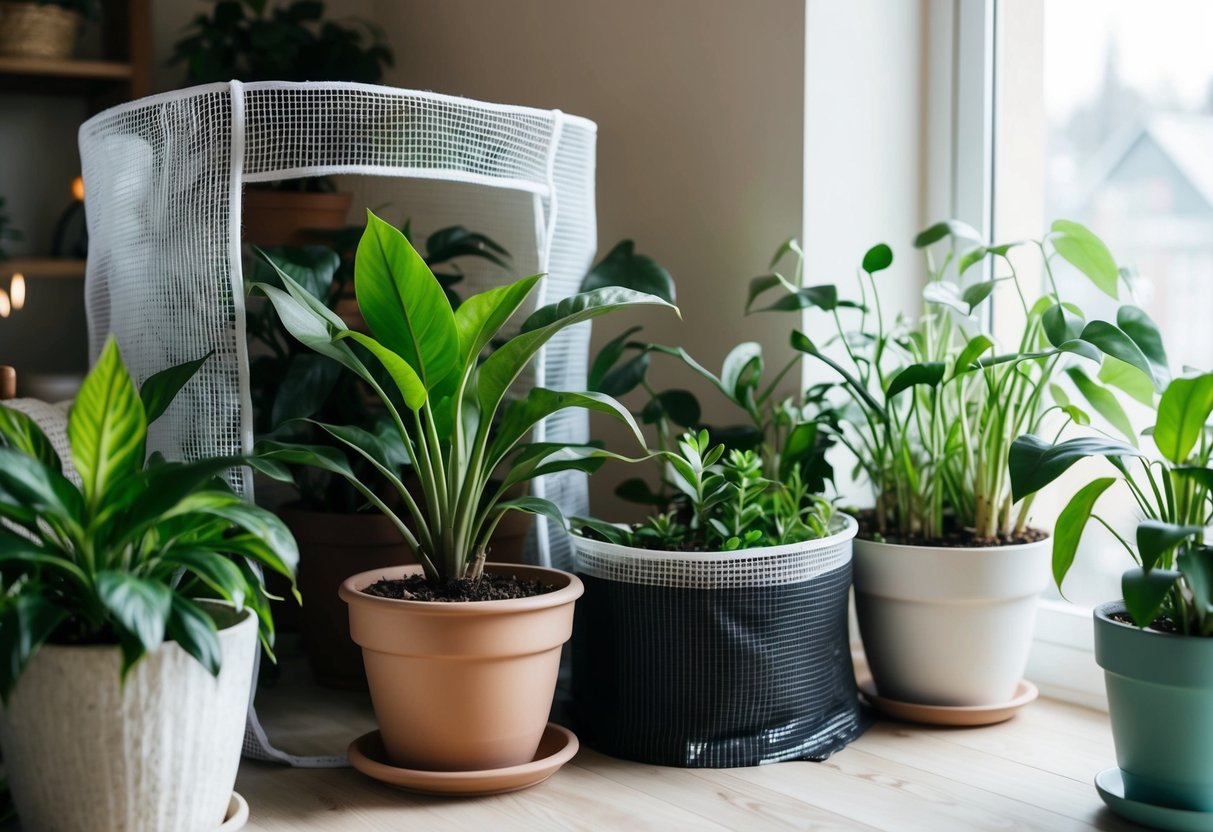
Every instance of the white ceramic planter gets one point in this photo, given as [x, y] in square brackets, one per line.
[948, 626]
[86, 753]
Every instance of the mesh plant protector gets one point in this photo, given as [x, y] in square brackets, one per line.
[164, 177]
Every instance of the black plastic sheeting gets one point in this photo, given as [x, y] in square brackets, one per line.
[709, 678]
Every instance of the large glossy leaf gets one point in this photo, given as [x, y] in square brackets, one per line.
[521, 415]
[160, 389]
[312, 267]
[404, 303]
[312, 329]
[1104, 402]
[1034, 463]
[37, 488]
[623, 267]
[255, 520]
[26, 622]
[1128, 379]
[140, 608]
[412, 388]
[212, 568]
[1087, 253]
[106, 426]
[160, 488]
[1155, 539]
[1112, 341]
[1183, 410]
[953, 228]
[1060, 324]
[607, 357]
[21, 433]
[929, 374]
[479, 318]
[189, 625]
[1136, 324]
[1145, 591]
[500, 369]
[1067, 532]
[626, 377]
[308, 381]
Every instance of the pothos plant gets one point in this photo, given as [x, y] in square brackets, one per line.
[449, 397]
[934, 403]
[1173, 578]
[121, 557]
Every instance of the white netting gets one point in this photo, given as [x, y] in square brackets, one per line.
[164, 177]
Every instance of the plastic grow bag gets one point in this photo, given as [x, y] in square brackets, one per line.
[715, 659]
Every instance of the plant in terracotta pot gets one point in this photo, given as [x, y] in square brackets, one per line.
[44, 28]
[254, 40]
[947, 568]
[1156, 644]
[714, 633]
[292, 390]
[107, 649]
[452, 628]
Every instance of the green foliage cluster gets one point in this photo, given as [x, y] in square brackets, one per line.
[466, 438]
[121, 558]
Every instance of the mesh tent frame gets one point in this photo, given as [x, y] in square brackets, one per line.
[165, 175]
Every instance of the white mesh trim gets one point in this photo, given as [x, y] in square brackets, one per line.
[765, 566]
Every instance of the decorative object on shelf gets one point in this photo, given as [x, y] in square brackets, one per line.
[43, 28]
[117, 654]
[71, 231]
[947, 570]
[1155, 645]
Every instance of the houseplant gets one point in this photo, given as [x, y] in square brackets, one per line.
[1156, 644]
[105, 651]
[947, 570]
[251, 41]
[292, 389]
[419, 653]
[43, 28]
[714, 633]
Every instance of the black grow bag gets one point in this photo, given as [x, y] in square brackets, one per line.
[709, 660]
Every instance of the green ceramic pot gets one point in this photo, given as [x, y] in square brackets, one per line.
[1160, 699]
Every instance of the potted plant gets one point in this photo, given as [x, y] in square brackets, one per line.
[947, 568]
[1156, 644]
[250, 41]
[293, 389]
[43, 28]
[106, 649]
[453, 629]
[714, 633]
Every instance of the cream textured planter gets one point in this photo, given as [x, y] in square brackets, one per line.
[85, 753]
[948, 626]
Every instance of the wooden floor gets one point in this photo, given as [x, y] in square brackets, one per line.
[1034, 772]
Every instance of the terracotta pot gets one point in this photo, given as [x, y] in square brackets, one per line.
[87, 752]
[35, 30]
[331, 546]
[282, 218]
[948, 625]
[462, 686]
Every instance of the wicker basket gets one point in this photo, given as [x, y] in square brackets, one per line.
[34, 30]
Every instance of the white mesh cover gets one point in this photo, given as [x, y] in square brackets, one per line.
[164, 177]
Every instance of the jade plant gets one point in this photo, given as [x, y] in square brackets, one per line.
[121, 557]
[935, 403]
[465, 437]
[1173, 493]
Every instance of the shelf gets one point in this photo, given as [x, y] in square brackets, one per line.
[66, 68]
[43, 267]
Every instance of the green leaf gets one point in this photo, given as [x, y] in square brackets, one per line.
[479, 318]
[930, 374]
[976, 294]
[1127, 378]
[1145, 591]
[1155, 539]
[742, 371]
[534, 505]
[521, 415]
[1034, 463]
[1112, 341]
[1201, 475]
[1104, 402]
[971, 258]
[1067, 532]
[37, 488]
[625, 268]
[403, 303]
[214, 569]
[1196, 565]
[140, 607]
[261, 524]
[611, 532]
[800, 444]
[1060, 324]
[878, 258]
[952, 228]
[106, 427]
[803, 343]
[626, 377]
[407, 381]
[190, 626]
[681, 406]
[312, 267]
[636, 490]
[306, 385]
[947, 294]
[764, 283]
[823, 297]
[966, 361]
[1142, 331]
[159, 390]
[1183, 411]
[1087, 253]
[21, 433]
[26, 622]
[607, 357]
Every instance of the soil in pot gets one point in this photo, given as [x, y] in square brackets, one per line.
[954, 536]
[489, 587]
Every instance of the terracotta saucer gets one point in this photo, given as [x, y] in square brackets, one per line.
[1111, 787]
[961, 716]
[237, 814]
[556, 747]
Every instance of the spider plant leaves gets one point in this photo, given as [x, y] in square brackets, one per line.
[1156, 541]
[1071, 522]
[403, 303]
[1034, 463]
[623, 267]
[948, 228]
[930, 374]
[1087, 253]
[1183, 411]
[106, 428]
[1144, 592]
[1105, 403]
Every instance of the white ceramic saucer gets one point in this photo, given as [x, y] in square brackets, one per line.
[1111, 787]
[958, 716]
[556, 747]
[237, 814]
